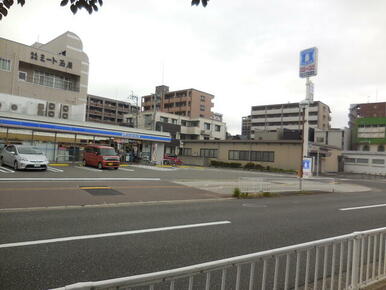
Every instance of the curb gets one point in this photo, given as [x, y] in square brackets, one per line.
[107, 205]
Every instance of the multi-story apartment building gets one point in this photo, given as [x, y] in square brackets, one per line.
[366, 110]
[369, 134]
[54, 76]
[189, 102]
[108, 111]
[180, 127]
[288, 116]
[246, 126]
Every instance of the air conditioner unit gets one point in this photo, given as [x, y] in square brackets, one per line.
[51, 108]
[41, 111]
[4, 106]
[15, 108]
[64, 111]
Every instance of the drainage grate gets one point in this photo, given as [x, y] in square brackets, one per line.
[100, 190]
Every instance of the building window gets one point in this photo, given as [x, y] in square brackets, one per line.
[265, 156]
[211, 153]
[381, 148]
[22, 75]
[202, 98]
[183, 123]
[378, 161]
[217, 128]
[320, 139]
[186, 151]
[174, 121]
[349, 160]
[366, 147]
[164, 119]
[202, 108]
[53, 81]
[5, 64]
[363, 160]
[207, 126]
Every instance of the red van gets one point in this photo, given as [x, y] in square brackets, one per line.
[100, 156]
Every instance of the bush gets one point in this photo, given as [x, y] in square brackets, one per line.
[225, 164]
[249, 166]
[236, 192]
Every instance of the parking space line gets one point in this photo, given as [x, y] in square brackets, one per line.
[89, 168]
[52, 169]
[363, 207]
[65, 239]
[126, 169]
[6, 170]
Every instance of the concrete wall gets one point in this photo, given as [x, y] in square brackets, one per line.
[355, 162]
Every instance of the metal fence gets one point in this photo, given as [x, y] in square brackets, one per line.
[273, 184]
[351, 261]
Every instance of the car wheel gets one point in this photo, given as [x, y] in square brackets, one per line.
[84, 162]
[100, 165]
[116, 168]
[2, 162]
[16, 166]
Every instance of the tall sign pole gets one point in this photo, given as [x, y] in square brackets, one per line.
[308, 67]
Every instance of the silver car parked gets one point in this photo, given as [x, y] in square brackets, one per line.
[23, 157]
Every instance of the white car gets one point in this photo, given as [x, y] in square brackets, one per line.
[23, 157]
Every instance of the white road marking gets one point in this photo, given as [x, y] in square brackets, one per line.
[65, 239]
[89, 168]
[6, 170]
[362, 207]
[52, 169]
[125, 169]
[80, 179]
[155, 167]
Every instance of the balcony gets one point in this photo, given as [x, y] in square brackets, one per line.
[53, 82]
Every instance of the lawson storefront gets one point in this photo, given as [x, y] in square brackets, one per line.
[64, 141]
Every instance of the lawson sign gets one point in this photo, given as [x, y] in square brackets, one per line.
[308, 62]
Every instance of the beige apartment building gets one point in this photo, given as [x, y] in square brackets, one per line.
[56, 71]
[288, 116]
[189, 102]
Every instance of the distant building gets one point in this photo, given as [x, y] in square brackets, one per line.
[44, 79]
[108, 111]
[369, 134]
[365, 110]
[339, 138]
[246, 126]
[189, 102]
[181, 128]
[288, 116]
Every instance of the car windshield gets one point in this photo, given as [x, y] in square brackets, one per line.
[107, 151]
[28, 150]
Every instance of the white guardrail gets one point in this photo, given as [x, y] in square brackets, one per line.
[351, 261]
[281, 184]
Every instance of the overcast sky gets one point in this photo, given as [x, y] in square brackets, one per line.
[245, 52]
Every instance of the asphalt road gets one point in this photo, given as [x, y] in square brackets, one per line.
[255, 225]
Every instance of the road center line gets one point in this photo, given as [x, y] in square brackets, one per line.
[66, 239]
[362, 207]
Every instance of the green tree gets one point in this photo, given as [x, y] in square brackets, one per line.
[89, 5]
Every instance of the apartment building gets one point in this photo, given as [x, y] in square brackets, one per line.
[288, 116]
[246, 126]
[366, 110]
[189, 102]
[54, 76]
[369, 134]
[181, 128]
[106, 110]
